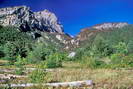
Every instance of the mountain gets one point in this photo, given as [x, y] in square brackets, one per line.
[27, 20]
[44, 27]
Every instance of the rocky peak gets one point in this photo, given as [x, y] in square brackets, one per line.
[107, 26]
[23, 17]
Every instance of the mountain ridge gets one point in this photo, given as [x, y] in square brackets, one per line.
[45, 26]
[24, 18]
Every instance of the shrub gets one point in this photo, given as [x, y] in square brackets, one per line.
[90, 62]
[37, 76]
[79, 53]
[121, 48]
[2, 54]
[14, 42]
[39, 53]
[121, 61]
[128, 60]
[20, 71]
[116, 58]
[130, 46]
[20, 61]
[10, 51]
[54, 60]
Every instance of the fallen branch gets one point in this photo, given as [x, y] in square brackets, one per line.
[10, 76]
[65, 84]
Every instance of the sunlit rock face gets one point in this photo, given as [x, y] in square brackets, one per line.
[24, 18]
[107, 26]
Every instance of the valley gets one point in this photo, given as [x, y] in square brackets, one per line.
[36, 53]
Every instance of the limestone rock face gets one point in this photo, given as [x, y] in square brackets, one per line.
[27, 20]
[107, 26]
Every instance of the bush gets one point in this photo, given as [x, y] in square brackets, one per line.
[39, 53]
[130, 46]
[128, 60]
[20, 61]
[79, 53]
[2, 54]
[100, 47]
[54, 60]
[10, 51]
[90, 62]
[121, 61]
[20, 71]
[37, 76]
[14, 43]
[116, 58]
[121, 48]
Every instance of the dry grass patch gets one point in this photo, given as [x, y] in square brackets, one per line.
[101, 77]
[3, 61]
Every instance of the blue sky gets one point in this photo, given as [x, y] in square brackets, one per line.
[78, 14]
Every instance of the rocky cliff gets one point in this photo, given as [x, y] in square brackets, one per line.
[27, 20]
[108, 26]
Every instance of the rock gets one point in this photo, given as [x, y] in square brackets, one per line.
[72, 54]
[59, 37]
[106, 26]
[72, 41]
[27, 20]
